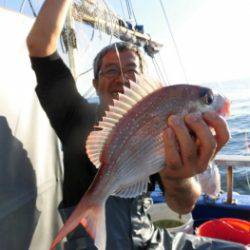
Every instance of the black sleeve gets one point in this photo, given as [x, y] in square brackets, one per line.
[58, 95]
[155, 179]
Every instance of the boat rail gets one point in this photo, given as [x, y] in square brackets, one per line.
[230, 162]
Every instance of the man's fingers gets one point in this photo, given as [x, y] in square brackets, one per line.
[207, 143]
[188, 148]
[186, 156]
[174, 169]
[172, 156]
[220, 126]
[174, 166]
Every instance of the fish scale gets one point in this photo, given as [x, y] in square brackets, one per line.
[128, 147]
[129, 125]
[138, 120]
[145, 142]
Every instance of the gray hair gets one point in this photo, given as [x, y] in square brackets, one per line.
[120, 46]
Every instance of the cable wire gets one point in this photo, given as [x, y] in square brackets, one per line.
[85, 72]
[22, 5]
[157, 70]
[160, 71]
[128, 9]
[32, 8]
[132, 10]
[123, 12]
[175, 44]
[164, 69]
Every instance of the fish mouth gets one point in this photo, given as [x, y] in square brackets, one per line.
[225, 111]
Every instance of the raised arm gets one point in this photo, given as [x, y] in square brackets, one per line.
[43, 37]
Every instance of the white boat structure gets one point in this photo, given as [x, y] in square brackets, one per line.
[30, 164]
[229, 204]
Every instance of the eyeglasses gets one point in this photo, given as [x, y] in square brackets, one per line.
[114, 72]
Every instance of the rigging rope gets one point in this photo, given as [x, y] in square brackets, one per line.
[32, 8]
[85, 72]
[132, 10]
[162, 73]
[22, 5]
[174, 42]
[157, 69]
[163, 68]
[123, 12]
[128, 9]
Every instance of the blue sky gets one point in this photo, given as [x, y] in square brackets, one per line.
[212, 36]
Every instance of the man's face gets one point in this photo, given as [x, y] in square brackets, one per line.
[115, 71]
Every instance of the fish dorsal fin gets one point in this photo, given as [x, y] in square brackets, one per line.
[133, 190]
[97, 138]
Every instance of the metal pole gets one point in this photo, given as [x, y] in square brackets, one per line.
[230, 184]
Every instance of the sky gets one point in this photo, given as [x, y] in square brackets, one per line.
[210, 38]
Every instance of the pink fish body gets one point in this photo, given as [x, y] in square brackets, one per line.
[128, 147]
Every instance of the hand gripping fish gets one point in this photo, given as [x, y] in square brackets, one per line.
[128, 147]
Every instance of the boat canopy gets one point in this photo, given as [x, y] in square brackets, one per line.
[30, 179]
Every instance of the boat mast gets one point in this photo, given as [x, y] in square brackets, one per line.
[110, 23]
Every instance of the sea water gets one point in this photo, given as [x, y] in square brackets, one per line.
[238, 91]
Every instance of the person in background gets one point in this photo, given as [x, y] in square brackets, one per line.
[72, 118]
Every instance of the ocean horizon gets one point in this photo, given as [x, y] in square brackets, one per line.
[238, 92]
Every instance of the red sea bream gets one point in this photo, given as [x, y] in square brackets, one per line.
[127, 147]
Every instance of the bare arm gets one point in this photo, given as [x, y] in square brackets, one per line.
[181, 195]
[186, 157]
[43, 37]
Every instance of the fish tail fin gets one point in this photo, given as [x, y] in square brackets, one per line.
[91, 217]
[95, 225]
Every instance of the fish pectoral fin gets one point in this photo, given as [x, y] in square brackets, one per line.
[133, 190]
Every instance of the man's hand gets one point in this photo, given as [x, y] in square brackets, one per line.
[189, 146]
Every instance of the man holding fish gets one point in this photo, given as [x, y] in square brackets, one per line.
[115, 68]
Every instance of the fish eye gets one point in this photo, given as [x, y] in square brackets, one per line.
[207, 97]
